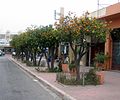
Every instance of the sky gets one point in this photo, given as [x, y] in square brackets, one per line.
[17, 15]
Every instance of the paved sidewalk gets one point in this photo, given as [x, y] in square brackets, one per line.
[110, 90]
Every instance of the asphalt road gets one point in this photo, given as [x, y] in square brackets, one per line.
[17, 85]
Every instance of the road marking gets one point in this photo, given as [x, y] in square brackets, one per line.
[35, 80]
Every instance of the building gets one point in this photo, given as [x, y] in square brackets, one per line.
[111, 14]
[5, 41]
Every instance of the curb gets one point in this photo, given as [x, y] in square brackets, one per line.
[57, 91]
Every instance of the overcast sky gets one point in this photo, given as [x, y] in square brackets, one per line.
[17, 15]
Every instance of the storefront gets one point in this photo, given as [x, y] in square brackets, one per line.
[112, 45]
[111, 14]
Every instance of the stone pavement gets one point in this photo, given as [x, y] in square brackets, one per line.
[110, 90]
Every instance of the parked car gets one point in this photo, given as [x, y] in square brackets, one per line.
[13, 53]
[1, 53]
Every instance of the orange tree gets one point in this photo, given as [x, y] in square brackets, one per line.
[27, 43]
[76, 30]
[50, 39]
[19, 44]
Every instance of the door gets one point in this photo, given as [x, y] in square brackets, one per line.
[116, 55]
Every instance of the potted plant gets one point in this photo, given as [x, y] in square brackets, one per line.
[65, 66]
[100, 58]
[72, 68]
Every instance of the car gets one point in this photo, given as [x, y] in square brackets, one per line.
[1, 53]
[13, 53]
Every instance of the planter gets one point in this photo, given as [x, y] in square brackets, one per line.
[100, 76]
[73, 71]
[100, 59]
[101, 66]
[65, 68]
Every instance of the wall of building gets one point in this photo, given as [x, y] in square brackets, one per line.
[113, 18]
[114, 21]
[111, 14]
[113, 9]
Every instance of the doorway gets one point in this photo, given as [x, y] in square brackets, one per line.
[115, 34]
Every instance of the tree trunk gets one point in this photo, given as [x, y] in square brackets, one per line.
[27, 56]
[22, 56]
[56, 50]
[31, 56]
[77, 63]
[47, 61]
[40, 60]
[52, 63]
[34, 59]
[52, 57]
[77, 69]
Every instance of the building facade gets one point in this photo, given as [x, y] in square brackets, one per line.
[111, 14]
[5, 41]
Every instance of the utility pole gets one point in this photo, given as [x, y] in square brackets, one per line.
[98, 8]
[60, 14]
[57, 16]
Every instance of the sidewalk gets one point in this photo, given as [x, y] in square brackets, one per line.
[110, 90]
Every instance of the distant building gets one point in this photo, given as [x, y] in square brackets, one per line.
[5, 41]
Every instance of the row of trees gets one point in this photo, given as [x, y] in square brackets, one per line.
[36, 41]
[71, 29]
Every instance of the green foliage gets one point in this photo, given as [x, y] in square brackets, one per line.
[55, 69]
[35, 40]
[66, 79]
[71, 29]
[91, 78]
[72, 65]
[76, 31]
[24, 61]
[100, 57]
[29, 63]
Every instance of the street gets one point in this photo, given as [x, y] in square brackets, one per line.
[17, 85]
